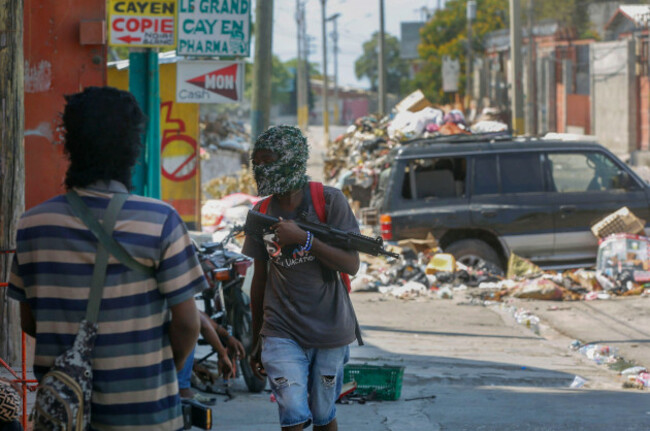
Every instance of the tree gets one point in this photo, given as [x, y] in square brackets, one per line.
[280, 81]
[367, 66]
[570, 14]
[314, 68]
[313, 72]
[12, 166]
[446, 35]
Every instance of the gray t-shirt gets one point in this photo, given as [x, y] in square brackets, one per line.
[301, 301]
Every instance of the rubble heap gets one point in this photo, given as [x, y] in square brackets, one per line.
[622, 269]
[240, 182]
[355, 159]
[221, 132]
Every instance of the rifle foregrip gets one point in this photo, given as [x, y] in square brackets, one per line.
[256, 222]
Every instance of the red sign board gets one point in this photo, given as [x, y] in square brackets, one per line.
[209, 82]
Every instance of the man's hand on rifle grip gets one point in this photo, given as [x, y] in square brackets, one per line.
[288, 232]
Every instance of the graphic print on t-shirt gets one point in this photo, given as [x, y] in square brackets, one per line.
[286, 257]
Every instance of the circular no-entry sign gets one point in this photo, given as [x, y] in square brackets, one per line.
[179, 157]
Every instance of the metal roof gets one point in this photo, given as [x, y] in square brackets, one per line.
[639, 13]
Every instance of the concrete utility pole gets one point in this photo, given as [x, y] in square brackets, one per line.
[326, 114]
[12, 165]
[469, 68]
[516, 69]
[382, 61]
[531, 99]
[335, 40]
[261, 100]
[308, 49]
[300, 67]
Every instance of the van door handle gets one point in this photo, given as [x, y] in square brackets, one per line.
[489, 213]
[567, 209]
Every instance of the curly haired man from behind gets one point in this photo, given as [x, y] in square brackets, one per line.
[147, 324]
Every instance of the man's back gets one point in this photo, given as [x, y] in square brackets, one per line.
[134, 381]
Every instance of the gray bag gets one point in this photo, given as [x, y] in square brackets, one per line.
[64, 394]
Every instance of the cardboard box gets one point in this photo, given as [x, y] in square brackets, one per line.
[414, 102]
[370, 216]
[621, 221]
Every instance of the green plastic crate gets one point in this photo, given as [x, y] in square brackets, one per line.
[385, 381]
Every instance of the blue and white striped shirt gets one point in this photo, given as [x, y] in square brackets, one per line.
[134, 378]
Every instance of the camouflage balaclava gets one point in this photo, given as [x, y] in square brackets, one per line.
[289, 171]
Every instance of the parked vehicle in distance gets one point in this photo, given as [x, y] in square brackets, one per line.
[485, 197]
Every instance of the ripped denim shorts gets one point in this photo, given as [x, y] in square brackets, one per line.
[303, 396]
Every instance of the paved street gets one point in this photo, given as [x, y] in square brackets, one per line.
[486, 371]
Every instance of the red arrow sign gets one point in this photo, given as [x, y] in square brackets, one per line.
[220, 81]
[129, 39]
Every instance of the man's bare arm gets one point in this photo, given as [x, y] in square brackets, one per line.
[27, 321]
[346, 261]
[184, 330]
[257, 309]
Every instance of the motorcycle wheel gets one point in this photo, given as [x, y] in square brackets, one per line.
[242, 328]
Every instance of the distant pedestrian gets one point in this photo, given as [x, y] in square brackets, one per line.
[147, 324]
[300, 305]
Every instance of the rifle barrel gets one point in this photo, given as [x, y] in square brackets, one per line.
[256, 221]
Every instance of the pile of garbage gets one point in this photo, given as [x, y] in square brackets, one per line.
[225, 185]
[622, 269]
[634, 376]
[219, 215]
[355, 159]
[219, 131]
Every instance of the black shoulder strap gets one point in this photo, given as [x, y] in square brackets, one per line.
[101, 259]
[83, 212]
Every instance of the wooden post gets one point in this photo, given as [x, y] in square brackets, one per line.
[12, 164]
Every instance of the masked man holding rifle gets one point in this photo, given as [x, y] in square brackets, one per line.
[302, 313]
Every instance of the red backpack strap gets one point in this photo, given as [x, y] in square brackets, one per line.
[345, 278]
[264, 206]
[318, 201]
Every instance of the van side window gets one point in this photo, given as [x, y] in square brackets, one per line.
[586, 172]
[521, 173]
[441, 178]
[486, 180]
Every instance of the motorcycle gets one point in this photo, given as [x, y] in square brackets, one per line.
[226, 302]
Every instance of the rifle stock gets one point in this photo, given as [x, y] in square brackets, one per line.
[256, 223]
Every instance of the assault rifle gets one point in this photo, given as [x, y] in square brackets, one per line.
[257, 223]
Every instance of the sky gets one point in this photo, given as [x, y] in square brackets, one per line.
[358, 20]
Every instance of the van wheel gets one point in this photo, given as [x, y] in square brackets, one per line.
[474, 253]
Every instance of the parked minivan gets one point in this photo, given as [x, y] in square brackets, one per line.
[485, 197]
